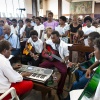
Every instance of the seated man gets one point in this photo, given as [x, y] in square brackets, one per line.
[88, 73]
[80, 84]
[8, 76]
[13, 39]
[62, 48]
[37, 47]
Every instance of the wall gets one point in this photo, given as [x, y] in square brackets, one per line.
[28, 6]
[52, 5]
[65, 8]
[97, 10]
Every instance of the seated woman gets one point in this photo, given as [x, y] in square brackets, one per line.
[8, 76]
[81, 82]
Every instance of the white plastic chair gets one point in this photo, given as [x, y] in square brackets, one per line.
[12, 91]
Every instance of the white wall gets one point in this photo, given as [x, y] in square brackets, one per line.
[65, 7]
[53, 6]
[28, 6]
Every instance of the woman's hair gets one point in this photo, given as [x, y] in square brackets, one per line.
[38, 18]
[97, 42]
[4, 45]
[33, 32]
[95, 22]
[63, 18]
[14, 20]
[28, 20]
[50, 13]
[21, 21]
[93, 35]
[80, 32]
[88, 18]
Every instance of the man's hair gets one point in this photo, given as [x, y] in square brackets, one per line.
[50, 13]
[94, 35]
[97, 42]
[4, 45]
[88, 18]
[33, 16]
[28, 20]
[33, 32]
[2, 21]
[14, 20]
[38, 18]
[63, 18]
[21, 21]
[55, 32]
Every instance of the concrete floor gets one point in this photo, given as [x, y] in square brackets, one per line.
[36, 95]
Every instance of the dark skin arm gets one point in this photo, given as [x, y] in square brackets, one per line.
[90, 69]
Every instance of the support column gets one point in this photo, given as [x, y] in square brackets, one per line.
[59, 8]
[34, 7]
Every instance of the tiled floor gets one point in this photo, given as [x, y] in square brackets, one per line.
[36, 95]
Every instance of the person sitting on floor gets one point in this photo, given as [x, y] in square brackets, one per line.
[80, 73]
[8, 76]
[37, 47]
[61, 47]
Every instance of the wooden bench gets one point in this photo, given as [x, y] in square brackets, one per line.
[78, 48]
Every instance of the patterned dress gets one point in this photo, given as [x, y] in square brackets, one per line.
[63, 30]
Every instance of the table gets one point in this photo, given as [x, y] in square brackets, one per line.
[39, 86]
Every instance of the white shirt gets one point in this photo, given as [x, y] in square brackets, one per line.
[7, 74]
[38, 29]
[46, 38]
[87, 31]
[14, 40]
[63, 30]
[63, 48]
[98, 30]
[22, 30]
[14, 29]
[33, 23]
[38, 45]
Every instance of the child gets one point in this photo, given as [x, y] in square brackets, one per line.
[28, 28]
[37, 44]
[48, 33]
[39, 27]
[78, 37]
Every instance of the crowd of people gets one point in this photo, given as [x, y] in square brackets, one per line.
[40, 32]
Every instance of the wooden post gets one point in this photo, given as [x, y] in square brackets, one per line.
[59, 8]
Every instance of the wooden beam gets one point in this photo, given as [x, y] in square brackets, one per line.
[59, 8]
[34, 7]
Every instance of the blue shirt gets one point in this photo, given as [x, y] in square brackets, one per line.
[1, 31]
